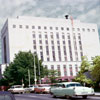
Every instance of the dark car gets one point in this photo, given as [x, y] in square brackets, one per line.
[4, 95]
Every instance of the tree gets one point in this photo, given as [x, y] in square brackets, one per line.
[96, 69]
[81, 77]
[17, 71]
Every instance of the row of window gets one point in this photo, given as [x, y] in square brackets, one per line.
[51, 28]
[64, 69]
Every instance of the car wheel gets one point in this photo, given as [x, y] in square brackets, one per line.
[54, 96]
[68, 97]
[84, 96]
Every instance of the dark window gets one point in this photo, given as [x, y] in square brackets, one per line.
[63, 36]
[56, 28]
[57, 35]
[40, 36]
[39, 27]
[33, 27]
[67, 29]
[46, 36]
[45, 27]
[62, 28]
[52, 36]
[88, 30]
[14, 26]
[52, 67]
[93, 30]
[40, 41]
[40, 47]
[58, 42]
[34, 46]
[34, 41]
[46, 41]
[27, 26]
[63, 42]
[78, 29]
[20, 26]
[33, 35]
[83, 29]
[52, 42]
[48, 59]
[51, 28]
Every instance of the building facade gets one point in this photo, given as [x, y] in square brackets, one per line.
[59, 43]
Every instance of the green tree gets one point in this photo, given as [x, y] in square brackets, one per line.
[18, 69]
[85, 66]
[96, 69]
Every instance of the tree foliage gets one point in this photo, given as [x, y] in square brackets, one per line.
[18, 69]
[96, 69]
[85, 66]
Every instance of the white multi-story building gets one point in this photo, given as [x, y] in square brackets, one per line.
[60, 43]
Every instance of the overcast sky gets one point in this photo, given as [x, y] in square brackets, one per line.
[84, 10]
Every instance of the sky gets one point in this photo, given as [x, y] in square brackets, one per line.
[84, 10]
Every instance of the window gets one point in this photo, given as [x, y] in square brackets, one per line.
[52, 67]
[46, 36]
[33, 27]
[34, 41]
[80, 43]
[14, 26]
[33, 35]
[52, 42]
[46, 41]
[40, 47]
[48, 59]
[68, 36]
[62, 28]
[34, 46]
[39, 27]
[56, 28]
[52, 36]
[83, 29]
[45, 27]
[58, 42]
[58, 68]
[20, 26]
[67, 29]
[63, 42]
[53, 48]
[79, 37]
[88, 30]
[63, 37]
[47, 52]
[65, 70]
[78, 29]
[93, 30]
[40, 41]
[51, 28]
[27, 26]
[58, 47]
[71, 71]
[57, 35]
[40, 36]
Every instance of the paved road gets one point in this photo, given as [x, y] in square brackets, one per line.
[33, 96]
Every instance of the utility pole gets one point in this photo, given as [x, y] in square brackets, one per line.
[39, 71]
[29, 76]
[34, 70]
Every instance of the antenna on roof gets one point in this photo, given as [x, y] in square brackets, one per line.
[66, 16]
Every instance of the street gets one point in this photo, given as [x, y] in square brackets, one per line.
[33, 96]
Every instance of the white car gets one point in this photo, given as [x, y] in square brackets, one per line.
[16, 89]
[69, 89]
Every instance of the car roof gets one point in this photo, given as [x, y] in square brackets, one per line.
[68, 83]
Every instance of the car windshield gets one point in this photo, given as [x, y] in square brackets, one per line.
[74, 84]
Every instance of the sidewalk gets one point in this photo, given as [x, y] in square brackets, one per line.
[97, 94]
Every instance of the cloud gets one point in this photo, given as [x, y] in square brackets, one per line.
[84, 10]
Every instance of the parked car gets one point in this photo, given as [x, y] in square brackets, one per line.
[42, 88]
[69, 89]
[16, 89]
[30, 88]
[4, 95]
